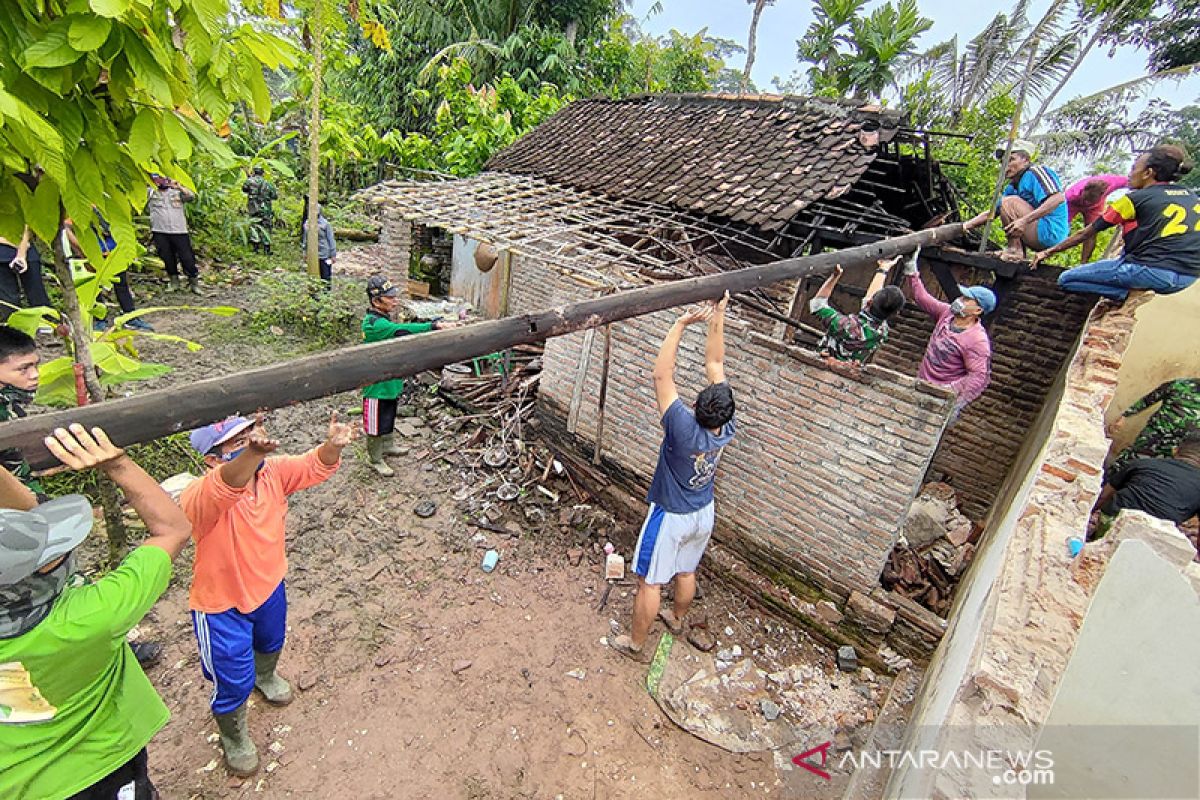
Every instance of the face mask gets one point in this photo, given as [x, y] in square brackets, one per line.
[28, 601]
[959, 307]
[230, 456]
[15, 396]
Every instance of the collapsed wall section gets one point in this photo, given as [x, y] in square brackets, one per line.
[825, 463]
[1033, 333]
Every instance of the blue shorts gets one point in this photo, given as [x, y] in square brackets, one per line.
[1051, 231]
[228, 642]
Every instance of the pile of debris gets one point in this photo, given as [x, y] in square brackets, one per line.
[933, 550]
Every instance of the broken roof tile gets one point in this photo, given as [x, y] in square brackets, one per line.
[757, 159]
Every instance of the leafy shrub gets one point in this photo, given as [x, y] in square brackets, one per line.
[304, 307]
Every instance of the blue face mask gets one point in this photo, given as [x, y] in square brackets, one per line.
[232, 454]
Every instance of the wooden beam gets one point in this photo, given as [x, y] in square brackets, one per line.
[152, 415]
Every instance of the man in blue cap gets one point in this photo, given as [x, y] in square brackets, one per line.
[959, 353]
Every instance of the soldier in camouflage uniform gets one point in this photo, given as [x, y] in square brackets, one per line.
[260, 192]
[18, 384]
[1179, 413]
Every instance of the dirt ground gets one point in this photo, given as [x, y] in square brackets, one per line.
[418, 675]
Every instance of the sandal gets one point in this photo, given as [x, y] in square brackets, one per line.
[624, 645]
[673, 625]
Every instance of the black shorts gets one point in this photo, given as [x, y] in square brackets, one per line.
[379, 416]
[134, 773]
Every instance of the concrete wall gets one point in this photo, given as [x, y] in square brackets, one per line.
[1020, 606]
[821, 474]
[1161, 350]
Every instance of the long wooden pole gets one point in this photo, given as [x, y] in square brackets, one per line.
[153, 415]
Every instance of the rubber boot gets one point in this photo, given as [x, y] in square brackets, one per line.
[275, 689]
[390, 448]
[193, 284]
[375, 456]
[174, 279]
[241, 756]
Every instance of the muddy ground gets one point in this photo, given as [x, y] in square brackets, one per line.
[421, 676]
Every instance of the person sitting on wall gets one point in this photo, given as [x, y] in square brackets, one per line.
[1087, 198]
[1167, 488]
[1178, 415]
[959, 353]
[1033, 194]
[680, 522]
[856, 338]
[1162, 253]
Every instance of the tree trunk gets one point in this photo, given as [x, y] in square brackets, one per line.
[751, 44]
[107, 493]
[314, 138]
[155, 414]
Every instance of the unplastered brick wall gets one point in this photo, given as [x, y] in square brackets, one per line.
[1033, 334]
[823, 468]
[395, 244]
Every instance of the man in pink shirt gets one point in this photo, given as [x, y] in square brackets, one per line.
[1088, 197]
[239, 608]
[959, 353]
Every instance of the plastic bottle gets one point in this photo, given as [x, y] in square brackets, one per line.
[490, 559]
[1074, 546]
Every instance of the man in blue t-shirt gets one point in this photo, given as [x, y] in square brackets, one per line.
[680, 522]
[1033, 208]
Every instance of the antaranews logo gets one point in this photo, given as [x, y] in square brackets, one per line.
[1006, 767]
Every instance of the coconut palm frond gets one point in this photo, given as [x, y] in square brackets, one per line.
[1053, 63]
[471, 50]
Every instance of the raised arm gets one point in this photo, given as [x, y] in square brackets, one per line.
[882, 268]
[14, 494]
[664, 365]
[238, 472]
[826, 290]
[920, 295]
[714, 343]
[340, 434]
[167, 524]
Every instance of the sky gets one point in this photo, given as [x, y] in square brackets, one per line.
[786, 21]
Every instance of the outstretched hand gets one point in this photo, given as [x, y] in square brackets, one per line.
[340, 433]
[696, 314]
[910, 263]
[81, 450]
[258, 441]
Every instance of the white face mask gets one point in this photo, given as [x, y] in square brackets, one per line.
[959, 307]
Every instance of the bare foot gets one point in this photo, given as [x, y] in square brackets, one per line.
[1008, 254]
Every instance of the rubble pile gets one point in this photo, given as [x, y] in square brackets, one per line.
[933, 550]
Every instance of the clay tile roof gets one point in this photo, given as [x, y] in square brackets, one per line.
[761, 159]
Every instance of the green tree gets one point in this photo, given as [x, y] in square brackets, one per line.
[857, 56]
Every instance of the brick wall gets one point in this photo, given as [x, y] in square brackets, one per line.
[824, 466]
[395, 244]
[1033, 333]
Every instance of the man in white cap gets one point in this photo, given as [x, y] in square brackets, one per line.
[76, 710]
[1032, 207]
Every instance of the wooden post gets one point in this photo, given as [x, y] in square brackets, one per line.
[603, 393]
[152, 415]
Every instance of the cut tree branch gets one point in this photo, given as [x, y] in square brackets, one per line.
[156, 414]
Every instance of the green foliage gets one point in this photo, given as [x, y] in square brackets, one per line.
[93, 97]
[858, 56]
[162, 458]
[294, 304]
[627, 61]
[1186, 132]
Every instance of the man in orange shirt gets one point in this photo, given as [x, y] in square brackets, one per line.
[239, 608]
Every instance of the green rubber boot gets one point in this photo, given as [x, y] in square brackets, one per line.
[375, 456]
[390, 448]
[241, 756]
[275, 689]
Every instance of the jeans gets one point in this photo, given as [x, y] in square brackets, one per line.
[12, 284]
[1114, 278]
[326, 267]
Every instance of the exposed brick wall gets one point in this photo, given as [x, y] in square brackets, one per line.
[824, 466]
[1033, 333]
[395, 244]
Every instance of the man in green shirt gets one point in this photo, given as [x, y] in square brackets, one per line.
[856, 338]
[380, 400]
[76, 710]
[260, 194]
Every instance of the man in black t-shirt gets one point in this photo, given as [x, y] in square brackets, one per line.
[1167, 488]
[1161, 223]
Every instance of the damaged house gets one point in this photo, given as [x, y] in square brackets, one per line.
[814, 492]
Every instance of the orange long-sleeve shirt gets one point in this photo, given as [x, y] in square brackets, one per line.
[239, 533]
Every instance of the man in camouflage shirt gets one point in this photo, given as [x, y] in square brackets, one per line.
[18, 384]
[1179, 413]
[856, 337]
[260, 193]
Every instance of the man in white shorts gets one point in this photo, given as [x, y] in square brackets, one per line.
[680, 522]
